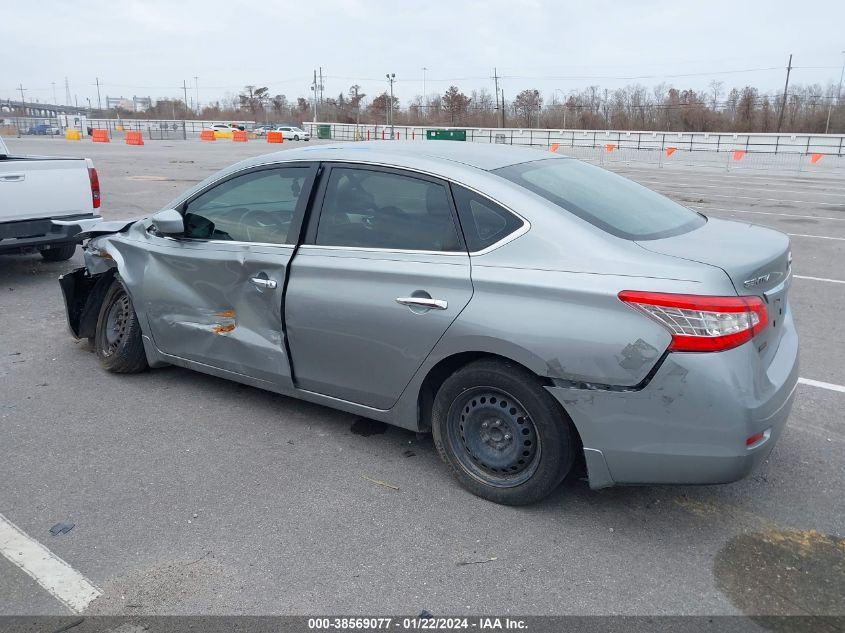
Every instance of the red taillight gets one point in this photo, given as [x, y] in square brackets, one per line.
[754, 439]
[95, 187]
[700, 323]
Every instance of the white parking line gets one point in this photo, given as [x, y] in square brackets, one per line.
[669, 190]
[822, 385]
[685, 185]
[828, 184]
[786, 215]
[833, 281]
[818, 237]
[61, 580]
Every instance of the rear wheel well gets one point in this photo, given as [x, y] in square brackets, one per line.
[441, 371]
[448, 366]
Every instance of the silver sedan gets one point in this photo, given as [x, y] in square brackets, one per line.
[537, 314]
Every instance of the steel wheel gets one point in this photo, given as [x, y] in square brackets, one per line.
[493, 437]
[117, 322]
[117, 339]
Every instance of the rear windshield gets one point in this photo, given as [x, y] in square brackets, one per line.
[613, 203]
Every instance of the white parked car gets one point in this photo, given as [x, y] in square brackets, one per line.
[225, 127]
[262, 130]
[293, 133]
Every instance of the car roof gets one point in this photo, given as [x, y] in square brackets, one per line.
[484, 156]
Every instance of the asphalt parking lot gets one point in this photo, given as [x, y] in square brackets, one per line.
[191, 494]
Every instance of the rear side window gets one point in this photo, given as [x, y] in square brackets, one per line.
[484, 222]
[378, 209]
[614, 204]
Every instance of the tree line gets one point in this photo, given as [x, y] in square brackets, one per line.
[634, 107]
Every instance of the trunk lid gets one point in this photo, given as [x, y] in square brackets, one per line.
[756, 259]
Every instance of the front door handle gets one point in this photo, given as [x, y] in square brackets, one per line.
[12, 177]
[422, 302]
[264, 283]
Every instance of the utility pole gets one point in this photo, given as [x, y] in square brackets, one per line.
[391, 77]
[185, 92]
[21, 89]
[314, 88]
[197, 87]
[321, 86]
[785, 88]
[503, 107]
[53, 83]
[67, 92]
[496, 82]
[838, 96]
[99, 103]
[424, 69]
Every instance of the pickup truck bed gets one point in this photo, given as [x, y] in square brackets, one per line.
[45, 202]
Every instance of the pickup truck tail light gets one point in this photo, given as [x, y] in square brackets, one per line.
[701, 323]
[95, 187]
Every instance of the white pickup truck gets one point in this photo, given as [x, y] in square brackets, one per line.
[45, 202]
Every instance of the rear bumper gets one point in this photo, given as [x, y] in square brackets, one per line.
[32, 234]
[690, 423]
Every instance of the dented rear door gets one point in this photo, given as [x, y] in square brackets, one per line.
[215, 295]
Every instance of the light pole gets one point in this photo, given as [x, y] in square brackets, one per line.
[838, 95]
[197, 88]
[564, 105]
[391, 77]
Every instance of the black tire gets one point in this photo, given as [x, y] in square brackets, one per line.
[117, 339]
[514, 453]
[296, 137]
[59, 253]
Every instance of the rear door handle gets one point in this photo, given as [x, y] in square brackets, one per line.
[264, 283]
[12, 177]
[422, 302]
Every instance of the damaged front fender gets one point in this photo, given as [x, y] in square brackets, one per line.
[83, 294]
[84, 288]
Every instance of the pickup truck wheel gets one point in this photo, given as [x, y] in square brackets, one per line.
[117, 339]
[59, 253]
[501, 433]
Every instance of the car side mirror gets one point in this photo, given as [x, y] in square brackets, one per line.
[169, 222]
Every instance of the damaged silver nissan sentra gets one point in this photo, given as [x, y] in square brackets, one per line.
[526, 308]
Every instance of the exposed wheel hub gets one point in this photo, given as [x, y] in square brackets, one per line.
[494, 436]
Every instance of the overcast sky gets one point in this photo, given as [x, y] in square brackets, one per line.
[147, 47]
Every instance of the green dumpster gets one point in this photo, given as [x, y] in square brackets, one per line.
[446, 135]
[324, 131]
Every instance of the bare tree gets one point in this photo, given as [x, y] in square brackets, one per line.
[254, 99]
[526, 104]
[455, 103]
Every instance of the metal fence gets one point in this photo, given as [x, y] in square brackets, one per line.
[826, 144]
[726, 160]
[154, 129]
[732, 152]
